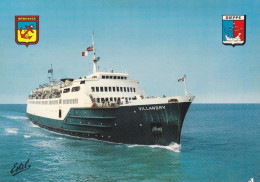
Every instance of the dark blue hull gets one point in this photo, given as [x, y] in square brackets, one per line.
[149, 124]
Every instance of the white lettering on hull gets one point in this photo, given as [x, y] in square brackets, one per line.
[151, 108]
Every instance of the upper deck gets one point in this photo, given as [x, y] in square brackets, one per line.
[103, 88]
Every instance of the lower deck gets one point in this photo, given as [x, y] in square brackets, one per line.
[142, 124]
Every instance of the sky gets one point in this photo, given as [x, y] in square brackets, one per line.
[155, 42]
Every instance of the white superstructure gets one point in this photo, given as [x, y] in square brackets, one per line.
[100, 89]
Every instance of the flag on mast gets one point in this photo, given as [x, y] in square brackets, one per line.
[90, 48]
[85, 53]
[182, 79]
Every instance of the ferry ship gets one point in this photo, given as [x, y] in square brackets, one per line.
[108, 106]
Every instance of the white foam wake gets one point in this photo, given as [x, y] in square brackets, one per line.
[16, 117]
[251, 180]
[34, 125]
[11, 130]
[173, 147]
[26, 136]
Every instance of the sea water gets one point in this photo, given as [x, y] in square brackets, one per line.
[219, 142]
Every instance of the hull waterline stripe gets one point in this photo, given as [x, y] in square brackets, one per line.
[91, 125]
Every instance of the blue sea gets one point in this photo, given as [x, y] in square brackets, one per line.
[220, 142]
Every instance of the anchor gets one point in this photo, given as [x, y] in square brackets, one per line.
[25, 34]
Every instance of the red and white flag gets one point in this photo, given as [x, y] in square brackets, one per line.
[90, 48]
[85, 53]
[181, 79]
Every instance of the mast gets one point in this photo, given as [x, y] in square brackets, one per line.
[51, 76]
[185, 88]
[95, 60]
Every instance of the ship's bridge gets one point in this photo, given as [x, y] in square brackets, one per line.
[109, 75]
[109, 87]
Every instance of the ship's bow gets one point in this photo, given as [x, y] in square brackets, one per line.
[154, 122]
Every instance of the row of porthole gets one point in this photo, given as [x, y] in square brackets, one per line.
[87, 134]
[88, 123]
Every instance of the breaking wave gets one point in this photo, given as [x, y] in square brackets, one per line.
[11, 130]
[34, 125]
[16, 117]
[172, 147]
[26, 136]
[251, 180]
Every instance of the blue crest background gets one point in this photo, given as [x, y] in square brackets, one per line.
[227, 29]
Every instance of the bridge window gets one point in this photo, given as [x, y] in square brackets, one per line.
[97, 89]
[114, 89]
[121, 89]
[98, 100]
[111, 99]
[101, 89]
[93, 89]
[75, 89]
[127, 89]
[118, 77]
[124, 89]
[107, 77]
[82, 82]
[134, 89]
[131, 89]
[66, 90]
[105, 89]
[103, 77]
[117, 89]
[111, 77]
[109, 89]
